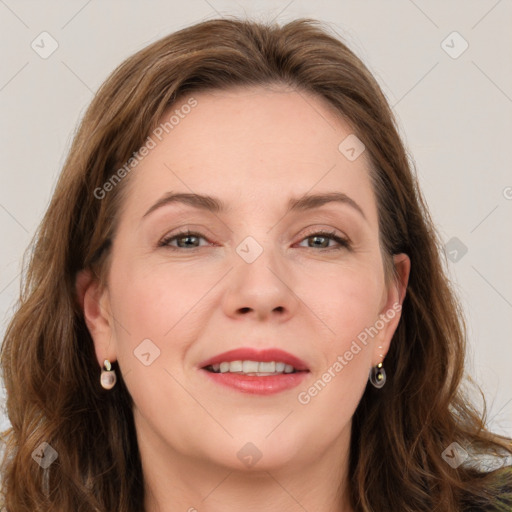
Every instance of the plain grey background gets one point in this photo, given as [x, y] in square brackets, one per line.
[445, 67]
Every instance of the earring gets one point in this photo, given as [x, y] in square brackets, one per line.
[108, 377]
[378, 376]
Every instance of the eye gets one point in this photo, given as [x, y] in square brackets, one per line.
[321, 240]
[184, 239]
[190, 239]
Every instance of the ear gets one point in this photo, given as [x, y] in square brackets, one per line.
[392, 309]
[95, 303]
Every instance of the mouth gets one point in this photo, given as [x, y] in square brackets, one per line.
[257, 372]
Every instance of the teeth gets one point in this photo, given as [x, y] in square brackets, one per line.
[235, 366]
[253, 367]
[267, 367]
[250, 366]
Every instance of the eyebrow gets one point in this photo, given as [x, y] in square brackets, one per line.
[215, 205]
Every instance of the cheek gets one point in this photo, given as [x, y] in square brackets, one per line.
[153, 325]
[345, 298]
[348, 303]
[154, 301]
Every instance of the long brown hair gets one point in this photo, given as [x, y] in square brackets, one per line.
[49, 366]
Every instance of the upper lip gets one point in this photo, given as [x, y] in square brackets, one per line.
[252, 354]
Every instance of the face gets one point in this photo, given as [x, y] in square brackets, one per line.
[303, 286]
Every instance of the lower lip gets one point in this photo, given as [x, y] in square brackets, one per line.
[265, 385]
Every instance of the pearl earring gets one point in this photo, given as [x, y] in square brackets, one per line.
[108, 377]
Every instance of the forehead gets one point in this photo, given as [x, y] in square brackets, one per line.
[249, 146]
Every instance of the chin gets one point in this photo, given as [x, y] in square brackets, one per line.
[256, 452]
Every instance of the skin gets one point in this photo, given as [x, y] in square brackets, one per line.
[254, 148]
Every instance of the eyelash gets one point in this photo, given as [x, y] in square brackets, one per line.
[343, 242]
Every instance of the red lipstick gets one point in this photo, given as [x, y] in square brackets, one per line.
[252, 383]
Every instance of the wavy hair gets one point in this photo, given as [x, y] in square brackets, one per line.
[49, 367]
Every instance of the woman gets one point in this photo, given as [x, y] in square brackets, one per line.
[237, 301]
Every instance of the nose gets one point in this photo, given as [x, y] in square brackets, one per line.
[262, 289]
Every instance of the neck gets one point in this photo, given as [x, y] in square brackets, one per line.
[175, 482]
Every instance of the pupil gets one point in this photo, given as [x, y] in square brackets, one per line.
[316, 238]
[187, 238]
